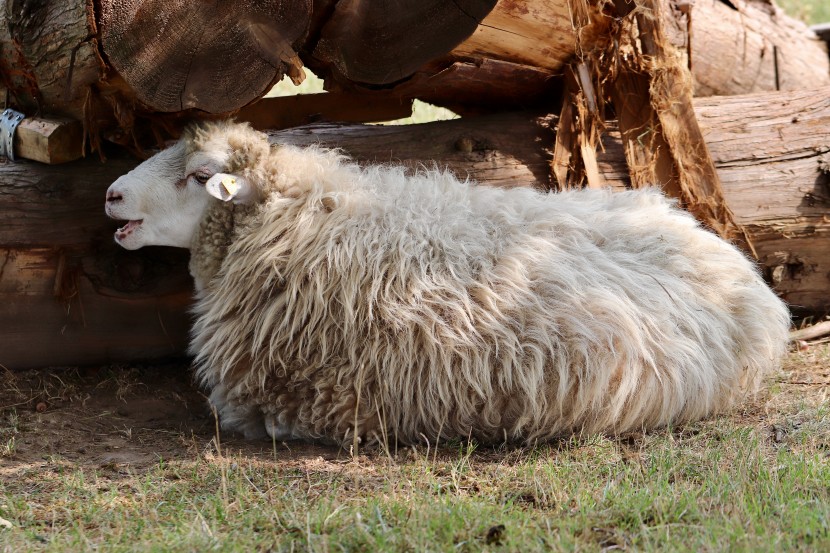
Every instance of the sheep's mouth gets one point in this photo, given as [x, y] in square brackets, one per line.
[131, 225]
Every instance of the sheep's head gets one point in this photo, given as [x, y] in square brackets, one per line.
[165, 198]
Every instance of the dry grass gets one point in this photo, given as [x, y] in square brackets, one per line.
[127, 460]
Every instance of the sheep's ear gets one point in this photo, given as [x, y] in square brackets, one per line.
[230, 188]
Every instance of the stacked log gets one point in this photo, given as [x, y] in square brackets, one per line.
[70, 295]
[754, 167]
[133, 70]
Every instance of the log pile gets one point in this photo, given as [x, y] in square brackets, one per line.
[131, 71]
[726, 105]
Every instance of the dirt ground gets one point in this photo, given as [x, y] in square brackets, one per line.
[120, 418]
[117, 418]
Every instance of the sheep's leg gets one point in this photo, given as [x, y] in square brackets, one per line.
[279, 429]
[235, 417]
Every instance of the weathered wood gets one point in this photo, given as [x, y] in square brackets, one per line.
[811, 332]
[498, 150]
[468, 88]
[538, 33]
[70, 295]
[743, 46]
[186, 59]
[214, 56]
[292, 111]
[822, 31]
[381, 42]
[50, 141]
[48, 55]
[678, 151]
[771, 151]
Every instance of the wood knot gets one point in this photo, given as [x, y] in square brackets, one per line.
[465, 144]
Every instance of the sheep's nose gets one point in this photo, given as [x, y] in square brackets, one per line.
[113, 196]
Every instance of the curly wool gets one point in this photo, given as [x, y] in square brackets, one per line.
[374, 302]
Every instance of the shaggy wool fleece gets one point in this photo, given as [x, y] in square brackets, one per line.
[410, 306]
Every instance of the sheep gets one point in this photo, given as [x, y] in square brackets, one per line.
[336, 302]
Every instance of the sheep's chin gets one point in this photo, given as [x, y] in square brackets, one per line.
[129, 236]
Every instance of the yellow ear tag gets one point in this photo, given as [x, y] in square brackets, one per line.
[229, 184]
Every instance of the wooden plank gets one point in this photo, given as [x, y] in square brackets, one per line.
[51, 141]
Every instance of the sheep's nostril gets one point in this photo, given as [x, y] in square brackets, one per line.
[114, 196]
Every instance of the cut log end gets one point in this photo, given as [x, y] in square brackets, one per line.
[214, 57]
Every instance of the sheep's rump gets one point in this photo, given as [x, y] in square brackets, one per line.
[419, 306]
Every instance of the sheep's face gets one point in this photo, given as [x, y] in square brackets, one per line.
[165, 198]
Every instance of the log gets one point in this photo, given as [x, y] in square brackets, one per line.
[818, 330]
[382, 42]
[134, 71]
[772, 153]
[498, 150]
[743, 46]
[68, 295]
[49, 57]
[822, 31]
[216, 57]
[662, 139]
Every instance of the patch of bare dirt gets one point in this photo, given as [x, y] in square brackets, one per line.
[116, 418]
[126, 419]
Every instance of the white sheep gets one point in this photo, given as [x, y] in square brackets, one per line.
[338, 302]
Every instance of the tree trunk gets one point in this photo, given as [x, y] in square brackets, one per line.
[772, 153]
[69, 294]
[49, 57]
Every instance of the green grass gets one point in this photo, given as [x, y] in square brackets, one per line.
[715, 489]
[811, 12]
[755, 480]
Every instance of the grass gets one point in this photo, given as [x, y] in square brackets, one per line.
[811, 12]
[756, 480]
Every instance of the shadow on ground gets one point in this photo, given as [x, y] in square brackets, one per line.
[118, 417]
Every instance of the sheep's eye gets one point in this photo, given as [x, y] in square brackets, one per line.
[201, 178]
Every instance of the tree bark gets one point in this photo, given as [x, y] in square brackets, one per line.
[772, 153]
[69, 294]
[49, 56]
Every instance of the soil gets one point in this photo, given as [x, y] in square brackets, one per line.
[129, 418]
[118, 418]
